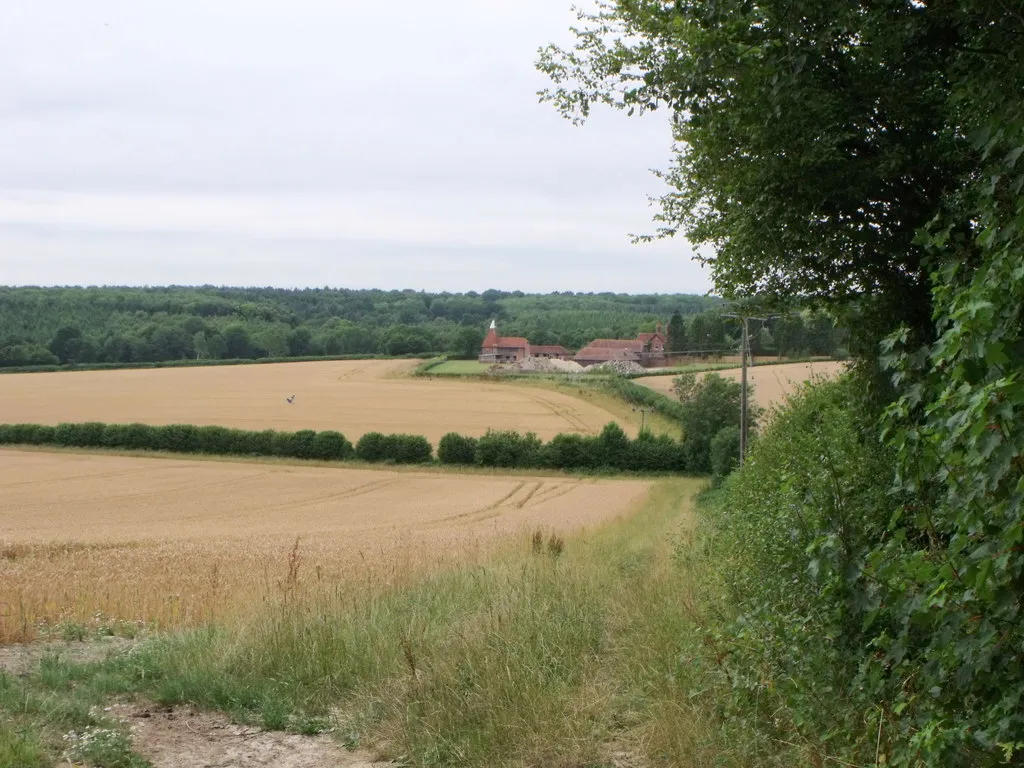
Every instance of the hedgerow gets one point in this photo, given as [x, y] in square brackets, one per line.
[612, 449]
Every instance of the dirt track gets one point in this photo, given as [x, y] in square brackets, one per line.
[353, 397]
[771, 382]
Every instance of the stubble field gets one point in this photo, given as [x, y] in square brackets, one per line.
[771, 382]
[90, 539]
[353, 397]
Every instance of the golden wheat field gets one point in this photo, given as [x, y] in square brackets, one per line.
[353, 397]
[771, 382]
[92, 538]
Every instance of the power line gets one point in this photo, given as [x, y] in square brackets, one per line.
[744, 356]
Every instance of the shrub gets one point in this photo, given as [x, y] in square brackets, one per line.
[263, 443]
[708, 405]
[792, 534]
[725, 451]
[408, 449]
[27, 434]
[179, 438]
[656, 453]
[84, 435]
[218, 440]
[508, 449]
[457, 449]
[281, 444]
[330, 445]
[131, 436]
[302, 444]
[572, 451]
[372, 447]
[614, 446]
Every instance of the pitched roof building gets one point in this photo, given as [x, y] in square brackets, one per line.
[502, 349]
[646, 348]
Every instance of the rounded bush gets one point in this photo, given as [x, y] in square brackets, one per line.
[372, 447]
[457, 449]
[330, 445]
[27, 434]
[409, 449]
[614, 444]
[216, 440]
[508, 449]
[131, 436]
[178, 438]
[262, 443]
[302, 444]
[572, 451]
[725, 451]
[656, 453]
[81, 435]
[281, 444]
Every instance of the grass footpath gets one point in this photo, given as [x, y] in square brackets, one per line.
[564, 653]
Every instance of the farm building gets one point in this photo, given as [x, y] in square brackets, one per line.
[591, 355]
[503, 349]
[510, 349]
[549, 351]
[645, 349]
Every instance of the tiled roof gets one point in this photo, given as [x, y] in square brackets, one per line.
[634, 344]
[512, 342]
[646, 337]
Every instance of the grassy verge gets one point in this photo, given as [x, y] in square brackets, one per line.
[56, 714]
[459, 368]
[572, 653]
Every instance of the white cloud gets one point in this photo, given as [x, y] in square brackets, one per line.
[246, 137]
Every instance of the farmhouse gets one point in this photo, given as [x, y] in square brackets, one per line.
[645, 349]
[503, 349]
[509, 349]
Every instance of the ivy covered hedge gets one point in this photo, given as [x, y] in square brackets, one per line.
[611, 450]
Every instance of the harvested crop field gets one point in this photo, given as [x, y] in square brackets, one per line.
[771, 382]
[92, 538]
[353, 397]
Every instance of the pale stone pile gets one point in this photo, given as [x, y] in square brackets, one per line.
[617, 366]
[544, 365]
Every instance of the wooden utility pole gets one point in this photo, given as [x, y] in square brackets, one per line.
[745, 355]
[745, 347]
[643, 416]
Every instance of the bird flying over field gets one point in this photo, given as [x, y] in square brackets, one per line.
[290, 399]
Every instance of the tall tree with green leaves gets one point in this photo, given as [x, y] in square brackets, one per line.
[676, 333]
[866, 156]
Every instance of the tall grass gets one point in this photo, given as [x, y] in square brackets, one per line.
[553, 653]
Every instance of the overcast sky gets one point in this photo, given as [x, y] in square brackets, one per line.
[315, 142]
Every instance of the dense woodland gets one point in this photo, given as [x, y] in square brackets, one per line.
[49, 326]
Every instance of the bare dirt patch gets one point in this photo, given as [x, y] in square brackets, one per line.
[184, 737]
[24, 658]
[353, 397]
[771, 382]
[88, 537]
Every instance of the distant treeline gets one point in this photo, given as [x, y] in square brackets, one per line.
[611, 450]
[76, 326]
